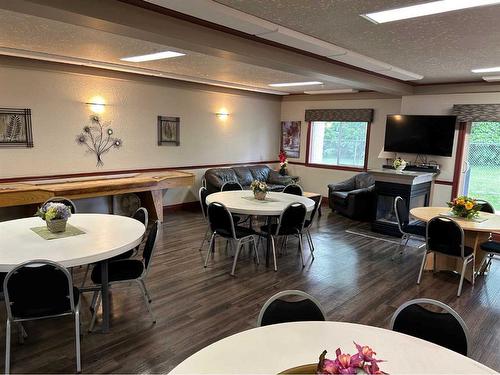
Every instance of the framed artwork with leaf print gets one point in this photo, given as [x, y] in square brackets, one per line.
[15, 128]
[169, 131]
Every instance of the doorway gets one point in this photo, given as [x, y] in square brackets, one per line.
[481, 178]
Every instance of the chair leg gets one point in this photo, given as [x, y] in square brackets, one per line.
[274, 253]
[473, 270]
[311, 243]
[212, 239]
[301, 250]
[148, 305]
[256, 250]
[146, 290]
[402, 246]
[422, 267]
[462, 274]
[204, 239]
[94, 315]
[7, 347]
[94, 300]
[85, 275]
[77, 341]
[238, 248]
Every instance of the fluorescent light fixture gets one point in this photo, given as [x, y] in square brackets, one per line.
[293, 84]
[426, 9]
[486, 70]
[336, 91]
[491, 78]
[153, 56]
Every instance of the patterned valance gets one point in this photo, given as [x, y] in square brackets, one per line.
[358, 114]
[476, 112]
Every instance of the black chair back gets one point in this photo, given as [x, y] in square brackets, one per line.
[149, 247]
[445, 236]
[220, 220]
[65, 201]
[141, 214]
[442, 328]
[231, 186]
[292, 218]
[202, 196]
[293, 189]
[486, 206]
[277, 310]
[38, 289]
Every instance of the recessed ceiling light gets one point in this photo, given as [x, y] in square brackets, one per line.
[336, 91]
[491, 78]
[486, 70]
[153, 56]
[426, 9]
[292, 84]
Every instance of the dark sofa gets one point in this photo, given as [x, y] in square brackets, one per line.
[216, 177]
[354, 198]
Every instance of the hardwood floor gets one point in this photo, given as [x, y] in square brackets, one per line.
[352, 276]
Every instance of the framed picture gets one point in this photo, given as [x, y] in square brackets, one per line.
[15, 128]
[290, 138]
[169, 131]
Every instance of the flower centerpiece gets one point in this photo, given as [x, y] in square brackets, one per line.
[283, 163]
[465, 207]
[56, 216]
[259, 189]
[363, 361]
[399, 164]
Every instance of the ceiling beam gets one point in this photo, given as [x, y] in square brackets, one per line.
[128, 20]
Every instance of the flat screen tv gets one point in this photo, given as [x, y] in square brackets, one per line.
[427, 135]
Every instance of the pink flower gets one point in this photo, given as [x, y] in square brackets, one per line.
[366, 353]
[373, 368]
[329, 367]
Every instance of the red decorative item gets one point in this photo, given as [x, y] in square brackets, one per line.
[363, 360]
[283, 162]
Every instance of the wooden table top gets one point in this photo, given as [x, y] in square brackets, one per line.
[492, 224]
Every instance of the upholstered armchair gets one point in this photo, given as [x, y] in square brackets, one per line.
[354, 198]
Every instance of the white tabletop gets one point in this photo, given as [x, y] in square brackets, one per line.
[105, 236]
[275, 348]
[237, 202]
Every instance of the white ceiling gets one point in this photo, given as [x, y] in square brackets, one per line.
[442, 47]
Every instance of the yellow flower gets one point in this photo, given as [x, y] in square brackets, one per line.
[460, 202]
[469, 205]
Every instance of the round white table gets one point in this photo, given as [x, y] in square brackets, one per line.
[242, 202]
[105, 237]
[273, 349]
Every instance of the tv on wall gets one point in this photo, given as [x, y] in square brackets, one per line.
[427, 135]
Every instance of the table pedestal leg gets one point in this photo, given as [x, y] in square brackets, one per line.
[105, 296]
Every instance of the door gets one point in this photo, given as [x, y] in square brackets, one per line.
[481, 167]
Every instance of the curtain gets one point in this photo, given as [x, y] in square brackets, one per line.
[476, 112]
[358, 114]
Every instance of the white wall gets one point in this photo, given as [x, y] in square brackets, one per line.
[57, 100]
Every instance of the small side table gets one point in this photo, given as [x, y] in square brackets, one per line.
[316, 197]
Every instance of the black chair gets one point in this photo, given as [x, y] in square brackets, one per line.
[222, 224]
[486, 206]
[492, 248]
[407, 229]
[40, 289]
[202, 196]
[446, 237]
[293, 189]
[127, 271]
[277, 310]
[142, 215]
[290, 223]
[308, 224]
[65, 201]
[231, 186]
[442, 328]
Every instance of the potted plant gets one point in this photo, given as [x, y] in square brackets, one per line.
[283, 163]
[399, 164]
[259, 189]
[56, 216]
[465, 207]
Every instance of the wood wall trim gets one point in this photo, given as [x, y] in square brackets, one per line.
[143, 170]
[323, 166]
[442, 182]
[458, 158]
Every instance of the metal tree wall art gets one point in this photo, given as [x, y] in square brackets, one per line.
[98, 138]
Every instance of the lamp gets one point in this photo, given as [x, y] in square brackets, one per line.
[97, 104]
[386, 155]
[222, 115]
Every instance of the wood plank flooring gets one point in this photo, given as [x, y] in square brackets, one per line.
[352, 276]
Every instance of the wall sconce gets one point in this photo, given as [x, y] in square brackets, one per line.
[97, 104]
[222, 115]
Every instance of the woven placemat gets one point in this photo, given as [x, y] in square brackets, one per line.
[46, 234]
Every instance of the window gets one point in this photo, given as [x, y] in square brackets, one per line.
[338, 143]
